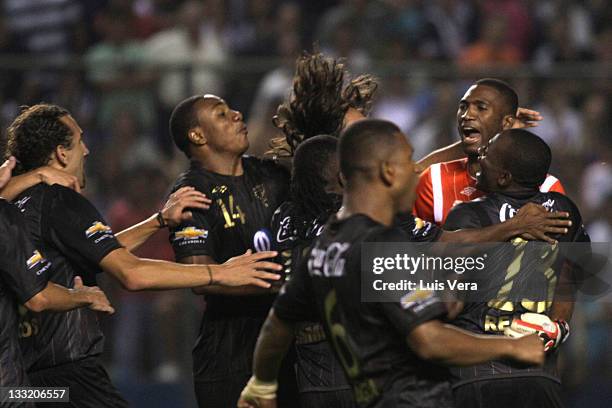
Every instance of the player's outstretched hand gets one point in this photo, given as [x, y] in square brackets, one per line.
[50, 176]
[529, 350]
[536, 223]
[248, 269]
[526, 118]
[98, 300]
[186, 197]
[6, 170]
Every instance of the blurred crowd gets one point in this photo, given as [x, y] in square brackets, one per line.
[120, 66]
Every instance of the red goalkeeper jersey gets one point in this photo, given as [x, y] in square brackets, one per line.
[443, 185]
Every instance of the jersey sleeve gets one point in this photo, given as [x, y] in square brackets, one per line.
[417, 229]
[22, 267]
[462, 216]
[295, 303]
[79, 226]
[415, 308]
[423, 206]
[195, 237]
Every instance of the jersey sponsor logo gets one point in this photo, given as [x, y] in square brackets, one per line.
[549, 204]
[190, 234]
[38, 260]
[98, 228]
[506, 212]
[328, 261]
[261, 240]
[468, 191]
[21, 203]
[417, 299]
[421, 227]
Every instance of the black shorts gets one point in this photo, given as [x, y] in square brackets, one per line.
[90, 386]
[524, 392]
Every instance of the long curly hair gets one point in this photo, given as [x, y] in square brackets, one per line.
[35, 134]
[319, 101]
[314, 166]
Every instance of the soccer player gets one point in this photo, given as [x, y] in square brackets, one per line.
[245, 191]
[315, 194]
[513, 166]
[488, 107]
[22, 282]
[391, 353]
[77, 241]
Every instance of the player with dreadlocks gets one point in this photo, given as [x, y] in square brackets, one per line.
[315, 194]
[321, 102]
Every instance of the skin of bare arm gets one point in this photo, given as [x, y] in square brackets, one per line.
[448, 345]
[57, 298]
[137, 274]
[173, 213]
[223, 290]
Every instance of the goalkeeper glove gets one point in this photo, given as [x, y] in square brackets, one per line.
[256, 389]
[553, 333]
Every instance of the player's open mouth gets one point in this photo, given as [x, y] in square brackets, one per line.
[243, 129]
[470, 135]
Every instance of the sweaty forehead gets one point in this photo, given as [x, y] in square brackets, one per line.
[481, 92]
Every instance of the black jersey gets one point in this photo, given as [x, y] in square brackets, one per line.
[369, 339]
[528, 268]
[74, 237]
[317, 369]
[23, 272]
[241, 206]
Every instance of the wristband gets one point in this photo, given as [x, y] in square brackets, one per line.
[259, 389]
[160, 220]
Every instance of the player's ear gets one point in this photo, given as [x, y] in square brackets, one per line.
[196, 136]
[508, 121]
[60, 154]
[387, 172]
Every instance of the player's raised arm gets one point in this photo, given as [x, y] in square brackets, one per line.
[532, 222]
[46, 174]
[175, 211]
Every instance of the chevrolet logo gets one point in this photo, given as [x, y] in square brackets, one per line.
[188, 233]
[35, 259]
[97, 227]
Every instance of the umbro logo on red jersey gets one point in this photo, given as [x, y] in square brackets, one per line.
[468, 191]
